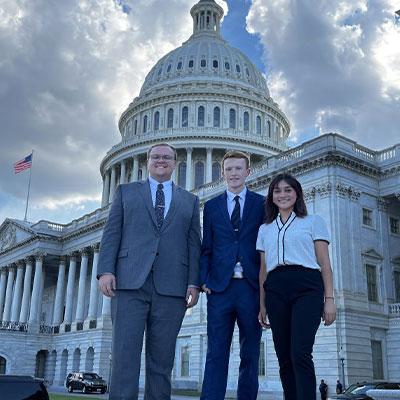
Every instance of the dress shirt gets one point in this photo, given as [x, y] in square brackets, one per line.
[230, 201]
[167, 189]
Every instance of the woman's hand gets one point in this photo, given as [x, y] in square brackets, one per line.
[263, 318]
[329, 315]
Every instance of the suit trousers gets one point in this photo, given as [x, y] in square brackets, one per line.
[238, 303]
[135, 312]
[294, 299]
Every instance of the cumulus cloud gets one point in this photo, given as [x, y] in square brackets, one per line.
[67, 71]
[333, 66]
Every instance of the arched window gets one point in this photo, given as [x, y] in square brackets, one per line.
[135, 127]
[170, 119]
[182, 174]
[246, 121]
[200, 116]
[258, 125]
[179, 65]
[145, 124]
[169, 68]
[89, 359]
[215, 63]
[203, 63]
[216, 171]
[198, 174]
[217, 117]
[227, 66]
[232, 118]
[191, 63]
[269, 128]
[3, 364]
[238, 68]
[185, 117]
[156, 121]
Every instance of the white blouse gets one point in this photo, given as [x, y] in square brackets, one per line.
[292, 243]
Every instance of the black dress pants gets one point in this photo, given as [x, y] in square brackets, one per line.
[294, 299]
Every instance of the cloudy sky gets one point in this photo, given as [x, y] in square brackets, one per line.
[69, 68]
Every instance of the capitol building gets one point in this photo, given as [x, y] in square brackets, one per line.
[205, 98]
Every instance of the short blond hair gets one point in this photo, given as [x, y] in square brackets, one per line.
[236, 154]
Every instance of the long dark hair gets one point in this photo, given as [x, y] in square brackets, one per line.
[271, 210]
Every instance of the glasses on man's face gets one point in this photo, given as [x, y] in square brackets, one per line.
[158, 157]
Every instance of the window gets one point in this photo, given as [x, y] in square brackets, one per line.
[227, 66]
[238, 68]
[179, 65]
[247, 72]
[394, 225]
[135, 127]
[198, 174]
[182, 174]
[367, 217]
[232, 118]
[372, 283]
[269, 128]
[217, 117]
[261, 360]
[215, 63]
[203, 63]
[156, 121]
[397, 286]
[191, 64]
[216, 171]
[185, 353]
[170, 119]
[145, 124]
[377, 359]
[159, 71]
[185, 113]
[258, 125]
[169, 68]
[246, 121]
[200, 116]
[3, 363]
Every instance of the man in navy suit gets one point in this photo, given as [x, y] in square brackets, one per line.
[229, 269]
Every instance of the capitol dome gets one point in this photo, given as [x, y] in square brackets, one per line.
[204, 98]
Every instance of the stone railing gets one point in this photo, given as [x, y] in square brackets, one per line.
[394, 309]
[379, 394]
[13, 326]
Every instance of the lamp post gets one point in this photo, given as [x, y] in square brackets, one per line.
[341, 358]
[109, 373]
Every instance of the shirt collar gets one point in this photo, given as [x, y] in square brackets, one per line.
[292, 216]
[155, 183]
[242, 194]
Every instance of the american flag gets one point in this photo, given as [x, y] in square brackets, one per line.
[23, 164]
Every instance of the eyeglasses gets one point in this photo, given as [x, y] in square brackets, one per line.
[157, 157]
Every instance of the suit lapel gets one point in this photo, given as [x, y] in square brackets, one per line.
[173, 207]
[146, 194]
[248, 206]
[222, 203]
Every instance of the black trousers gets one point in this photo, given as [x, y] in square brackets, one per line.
[294, 301]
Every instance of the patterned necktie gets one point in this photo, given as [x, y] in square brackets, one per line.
[235, 217]
[160, 205]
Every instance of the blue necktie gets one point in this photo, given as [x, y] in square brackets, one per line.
[160, 205]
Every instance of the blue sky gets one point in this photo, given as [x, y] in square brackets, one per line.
[69, 69]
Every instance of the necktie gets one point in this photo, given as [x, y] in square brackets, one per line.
[235, 217]
[160, 205]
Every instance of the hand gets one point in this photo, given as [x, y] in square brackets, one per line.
[263, 318]
[192, 296]
[107, 284]
[205, 289]
[329, 314]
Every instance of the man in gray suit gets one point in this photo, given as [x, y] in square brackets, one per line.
[149, 265]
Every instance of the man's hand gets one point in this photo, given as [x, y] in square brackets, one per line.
[205, 289]
[263, 318]
[192, 296]
[107, 285]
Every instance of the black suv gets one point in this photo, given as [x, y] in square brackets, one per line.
[86, 382]
[358, 391]
[18, 387]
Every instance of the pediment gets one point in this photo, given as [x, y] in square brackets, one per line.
[372, 254]
[12, 233]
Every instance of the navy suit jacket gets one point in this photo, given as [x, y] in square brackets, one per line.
[222, 246]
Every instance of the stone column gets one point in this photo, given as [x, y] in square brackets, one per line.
[112, 183]
[106, 308]
[135, 169]
[16, 303]
[106, 189]
[209, 165]
[123, 172]
[59, 299]
[3, 282]
[23, 317]
[37, 283]
[69, 296]
[189, 167]
[144, 171]
[92, 313]
[80, 308]
[9, 291]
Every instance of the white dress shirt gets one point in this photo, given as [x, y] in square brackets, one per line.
[230, 201]
[167, 189]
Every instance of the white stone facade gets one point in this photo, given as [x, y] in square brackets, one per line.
[53, 319]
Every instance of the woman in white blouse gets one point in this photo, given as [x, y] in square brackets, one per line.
[296, 288]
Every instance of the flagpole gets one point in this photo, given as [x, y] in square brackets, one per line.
[29, 187]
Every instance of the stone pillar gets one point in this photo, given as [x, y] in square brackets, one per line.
[144, 171]
[92, 313]
[37, 283]
[69, 296]
[123, 172]
[3, 282]
[16, 303]
[80, 308]
[59, 299]
[9, 291]
[23, 317]
[209, 165]
[135, 169]
[106, 309]
[112, 183]
[189, 167]
[106, 189]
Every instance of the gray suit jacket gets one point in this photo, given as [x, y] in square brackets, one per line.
[132, 244]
